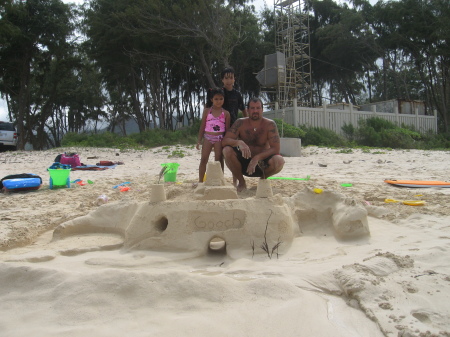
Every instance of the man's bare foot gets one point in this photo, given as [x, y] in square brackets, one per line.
[241, 188]
[235, 181]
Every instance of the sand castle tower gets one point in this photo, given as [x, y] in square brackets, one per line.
[215, 188]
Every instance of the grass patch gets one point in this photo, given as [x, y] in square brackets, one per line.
[345, 151]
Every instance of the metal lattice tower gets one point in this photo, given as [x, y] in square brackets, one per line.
[293, 41]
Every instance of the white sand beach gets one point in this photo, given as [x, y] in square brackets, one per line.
[72, 267]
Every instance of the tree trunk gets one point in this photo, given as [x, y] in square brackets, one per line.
[136, 103]
[206, 68]
[23, 105]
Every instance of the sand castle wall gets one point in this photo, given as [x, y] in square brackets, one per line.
[243, 225]
[190, 226]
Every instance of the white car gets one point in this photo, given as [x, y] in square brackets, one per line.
[8, 135]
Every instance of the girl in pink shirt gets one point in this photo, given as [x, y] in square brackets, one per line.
[215, 122]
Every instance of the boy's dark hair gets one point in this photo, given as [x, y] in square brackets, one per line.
[211, 93]
[227, 70]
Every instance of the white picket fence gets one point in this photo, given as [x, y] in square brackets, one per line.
[335, 119]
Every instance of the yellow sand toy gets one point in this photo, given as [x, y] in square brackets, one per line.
[406, 202]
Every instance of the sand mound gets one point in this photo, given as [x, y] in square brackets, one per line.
[129, 267]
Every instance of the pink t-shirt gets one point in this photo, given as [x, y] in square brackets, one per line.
[215, 124]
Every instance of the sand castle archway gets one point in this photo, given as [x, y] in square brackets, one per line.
[217, 246]
[161, 224]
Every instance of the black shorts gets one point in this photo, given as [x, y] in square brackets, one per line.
[244, 163]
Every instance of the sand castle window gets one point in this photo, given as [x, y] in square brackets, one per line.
[217, 245]
[161, 224]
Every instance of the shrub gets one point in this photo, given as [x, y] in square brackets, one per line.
[105, 139]
[349, 131]
[73, 138]
[372, 132]
[378, 124]
[377, 132]
[367, 136]
[322, 137]
[396, 138]
[435, 141]
[288, 130]
[159, 137]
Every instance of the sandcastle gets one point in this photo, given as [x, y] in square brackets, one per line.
[217, 221]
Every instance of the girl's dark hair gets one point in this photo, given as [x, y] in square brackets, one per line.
[211, 93]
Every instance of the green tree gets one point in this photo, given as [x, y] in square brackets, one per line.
[418, 31]
[110, 46]
[165, 53]
[342, 49]
[33, 37]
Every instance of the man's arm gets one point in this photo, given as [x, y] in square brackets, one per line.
[231, 138]
[232, 134]
[274, 138]
[273, 141]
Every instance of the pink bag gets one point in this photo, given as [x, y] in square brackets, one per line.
[73, 160]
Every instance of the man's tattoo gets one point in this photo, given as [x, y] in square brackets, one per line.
[274, 132]
[275, 139]
[234, 128]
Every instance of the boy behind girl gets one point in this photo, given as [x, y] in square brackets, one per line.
[233, 98]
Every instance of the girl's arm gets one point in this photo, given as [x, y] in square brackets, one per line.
[227, 120]
[201, 131]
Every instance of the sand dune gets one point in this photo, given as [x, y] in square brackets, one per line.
[393, 282]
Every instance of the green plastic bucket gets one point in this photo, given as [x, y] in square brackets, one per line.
[59, 177]
[171, 173]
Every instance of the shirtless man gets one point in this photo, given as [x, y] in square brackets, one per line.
[250, 143]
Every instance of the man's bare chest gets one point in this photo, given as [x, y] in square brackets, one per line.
[255, 137]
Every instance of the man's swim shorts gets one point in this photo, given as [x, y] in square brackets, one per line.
[244, 163]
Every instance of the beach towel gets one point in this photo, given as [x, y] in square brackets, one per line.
[105, 163]
[90, 168]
